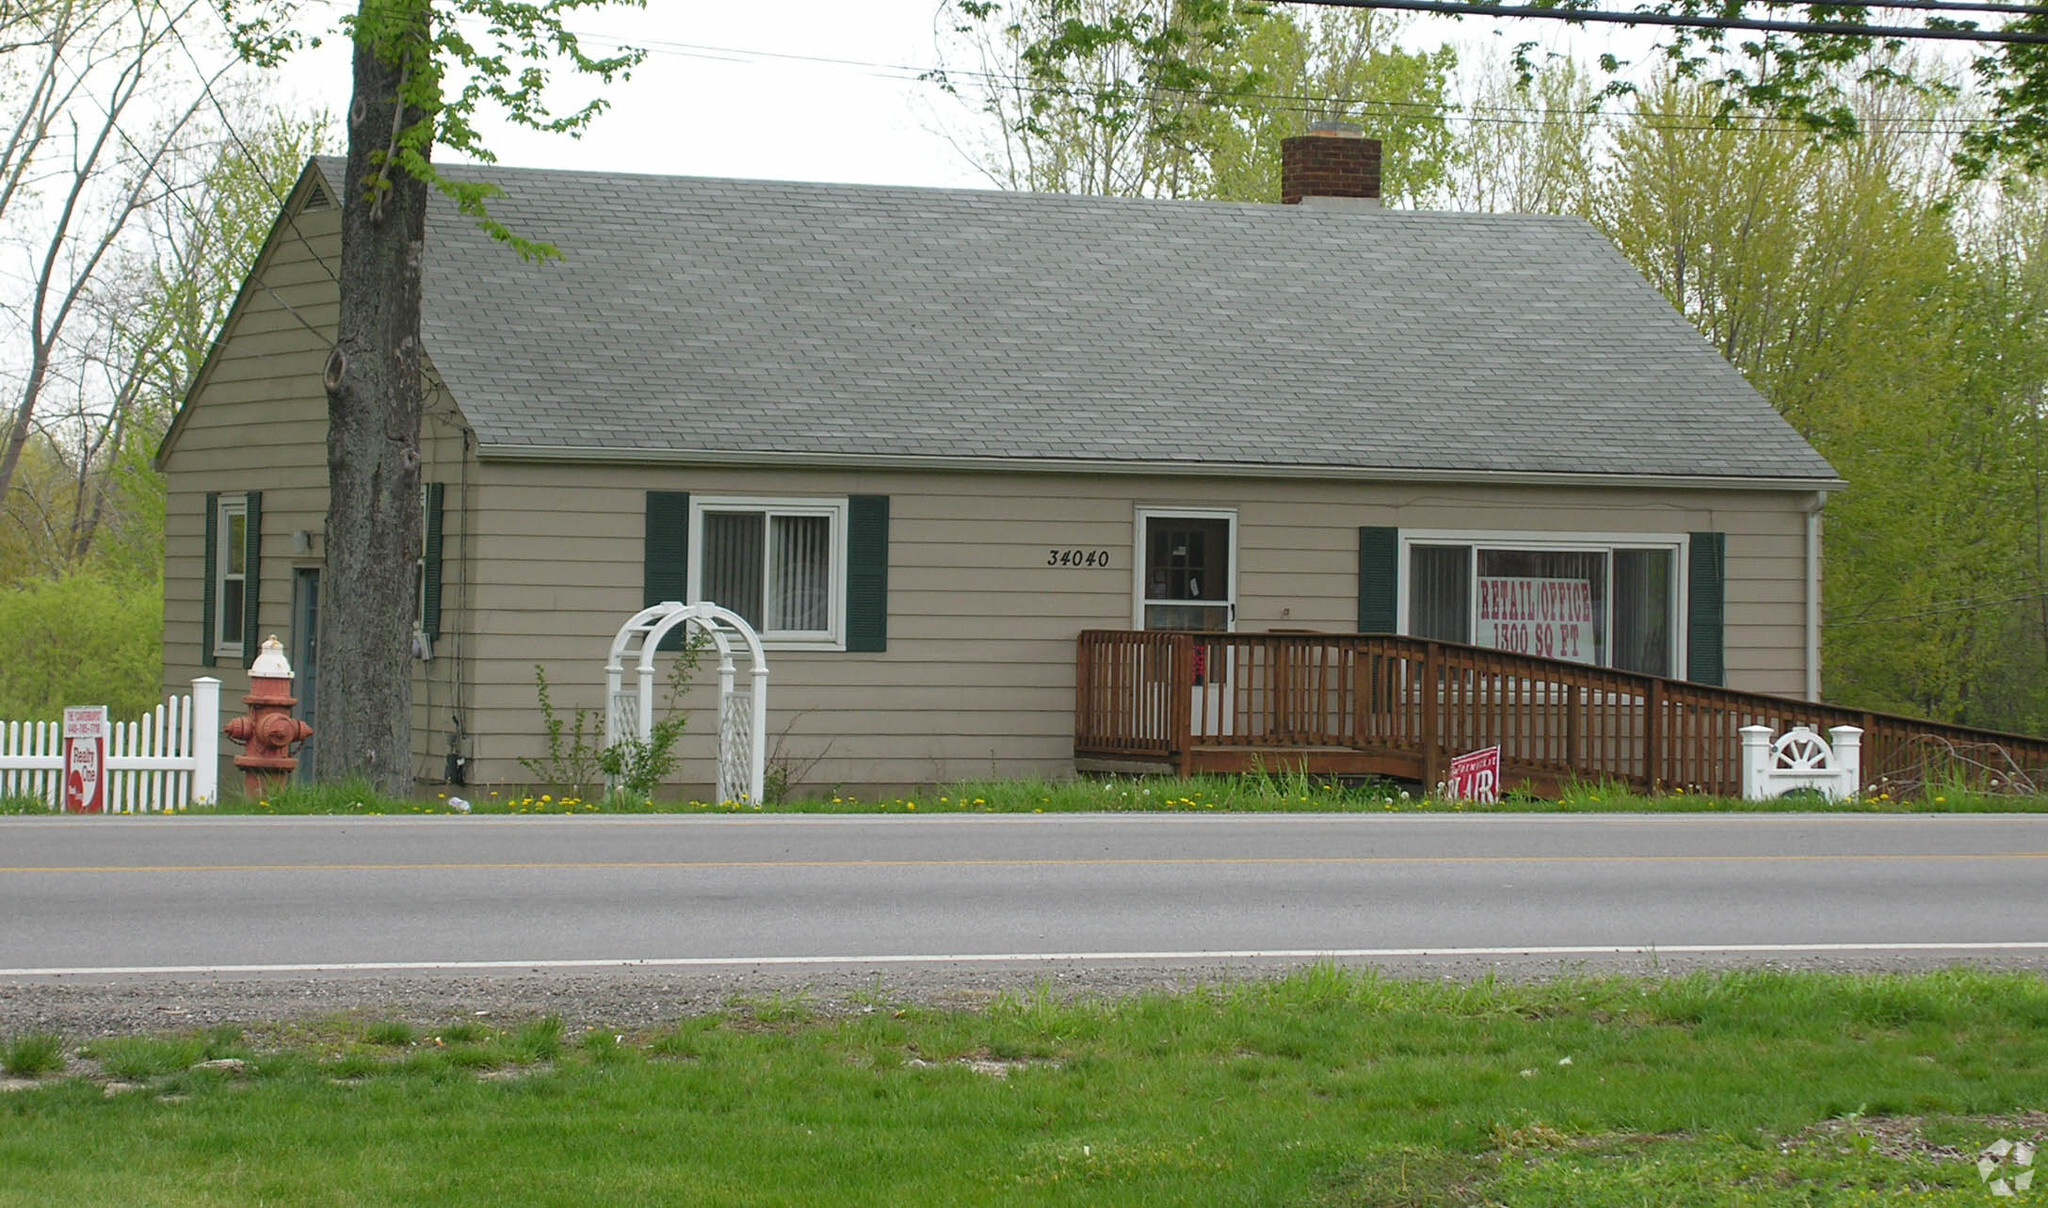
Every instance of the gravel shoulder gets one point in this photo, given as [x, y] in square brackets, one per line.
[632, 999]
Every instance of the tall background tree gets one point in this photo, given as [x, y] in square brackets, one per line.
[129, 213]
[1182, 98]
[424, 73]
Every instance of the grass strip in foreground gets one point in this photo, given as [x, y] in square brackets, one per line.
[1325, 1088]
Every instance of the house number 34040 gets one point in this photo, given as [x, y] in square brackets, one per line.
[1077, 557]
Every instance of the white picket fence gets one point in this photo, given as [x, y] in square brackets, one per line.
[167, 760]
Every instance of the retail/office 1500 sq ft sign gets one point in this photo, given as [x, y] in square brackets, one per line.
[1548, 617]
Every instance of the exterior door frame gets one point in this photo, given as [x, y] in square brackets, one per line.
[1140, 547]
[1211, 705]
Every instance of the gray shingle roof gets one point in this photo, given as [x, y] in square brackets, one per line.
[753, 316]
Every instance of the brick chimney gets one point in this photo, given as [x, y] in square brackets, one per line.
[1333, 165]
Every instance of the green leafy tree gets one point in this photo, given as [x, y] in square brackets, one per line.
[1529, 144]
[1847, 280]
[1184, 98]
[85, 638]
[1345, 66]
[424, 71]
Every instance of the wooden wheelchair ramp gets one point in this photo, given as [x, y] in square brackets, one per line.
[1356, 704]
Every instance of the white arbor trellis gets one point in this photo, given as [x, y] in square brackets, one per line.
[742, 713]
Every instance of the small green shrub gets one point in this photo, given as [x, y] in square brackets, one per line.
[573, 750]
[32, 1054]
[540, 1040]
[138, 1057]
[86, 639]
[464, 1033]
[23, 804]
[632, 768]
[391, 1033]
[604, 1047]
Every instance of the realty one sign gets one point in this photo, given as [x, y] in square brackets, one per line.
[85, 759]
[1548, 617]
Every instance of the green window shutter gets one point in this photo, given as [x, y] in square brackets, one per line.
[252, 578]
[1706, 609]
[430, 587]
[1379, 577]
[208, 604]
[867, 573]
[667, 550]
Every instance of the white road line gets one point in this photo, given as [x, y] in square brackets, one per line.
[982, 958]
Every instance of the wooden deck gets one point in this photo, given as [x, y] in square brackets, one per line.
[1358, 704]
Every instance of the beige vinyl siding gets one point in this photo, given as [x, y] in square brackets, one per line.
[257, 421]
[978, 677]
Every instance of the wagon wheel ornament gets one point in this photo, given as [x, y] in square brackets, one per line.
[1801, 750]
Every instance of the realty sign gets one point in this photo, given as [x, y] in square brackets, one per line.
[1548, 617]
[85, 759]
[1476, 777]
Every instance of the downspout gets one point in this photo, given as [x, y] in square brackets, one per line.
[1820, 500]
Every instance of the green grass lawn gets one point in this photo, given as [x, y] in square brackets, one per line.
[1253, 793]
[1327, 1088]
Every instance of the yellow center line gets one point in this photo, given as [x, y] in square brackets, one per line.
[1083, 862]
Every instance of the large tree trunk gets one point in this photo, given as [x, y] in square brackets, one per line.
[373, 440]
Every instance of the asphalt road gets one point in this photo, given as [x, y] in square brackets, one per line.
[189, 897]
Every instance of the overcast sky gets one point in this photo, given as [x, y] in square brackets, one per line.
[781, 89]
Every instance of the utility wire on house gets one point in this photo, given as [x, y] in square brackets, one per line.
[1310, 103]
[291, 220]
[1939, 30]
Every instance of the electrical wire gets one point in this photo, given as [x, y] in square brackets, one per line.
[1306, 103]
[1462, 8]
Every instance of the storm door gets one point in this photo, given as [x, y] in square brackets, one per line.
[1187, 579]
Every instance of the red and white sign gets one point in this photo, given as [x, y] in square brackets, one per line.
[1548, 617]
[1476, 777]
[85, 759]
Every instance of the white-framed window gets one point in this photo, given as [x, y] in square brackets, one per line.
[1608, 601]
[778, 563]
[230, 573]
[1186, 569]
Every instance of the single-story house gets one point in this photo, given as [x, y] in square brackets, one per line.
[923, 438]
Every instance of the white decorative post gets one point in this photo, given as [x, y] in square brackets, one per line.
[1848, 744]
[205, 740]
[1756, 761]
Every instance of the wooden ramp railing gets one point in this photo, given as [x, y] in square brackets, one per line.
[1399, 706]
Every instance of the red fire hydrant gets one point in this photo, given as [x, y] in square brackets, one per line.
[269, 731]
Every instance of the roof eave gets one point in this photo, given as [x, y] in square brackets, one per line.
[585, 454]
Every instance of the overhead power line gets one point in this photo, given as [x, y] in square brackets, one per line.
[1958, 32]
[1473, 114]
